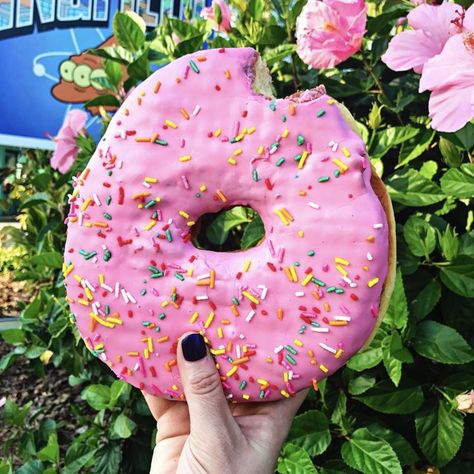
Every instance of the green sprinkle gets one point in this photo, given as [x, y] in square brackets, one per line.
[143, 292]
[300, 140]
[193, 66]
[150, 204]
[243, 384]
[297, 264]
[283, 118]
[107, 255]
[235, 301]
[290, 359]
[146, 323]
[161, 142]
[107, 309]
[179, 276]
[337, 173]
[280, 161]
[169, 237]
[110, 173]
[108, 200]
[311, 253]
[320, 113]
[331, 289]
[298, 157]
[232, 140]
[153, 269]
[291, 349]
[318, 282]
[255, 175]
[161, 316]
[174, 296]
[157, 275]
[261, 394]
[154, 215]
[275, 145]
[272, 106]
[157, 329]
[323, 179]
[339, 291]
[315, 324]
[90, 255]
[107, 216]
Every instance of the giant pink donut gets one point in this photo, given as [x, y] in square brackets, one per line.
[195, 138]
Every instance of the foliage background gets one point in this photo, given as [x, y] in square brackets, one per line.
[392, 409]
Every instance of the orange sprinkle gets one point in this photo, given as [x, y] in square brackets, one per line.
[280, 314]
[184, 113]
[157, 87]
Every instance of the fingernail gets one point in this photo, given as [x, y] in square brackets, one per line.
[194, 347]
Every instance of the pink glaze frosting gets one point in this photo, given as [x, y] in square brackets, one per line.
[192, 139]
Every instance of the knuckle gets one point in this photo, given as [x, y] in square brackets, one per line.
[203, 384]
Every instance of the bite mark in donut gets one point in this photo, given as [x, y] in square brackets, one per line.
[198, 136]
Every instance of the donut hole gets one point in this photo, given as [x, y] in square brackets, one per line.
[230, 230]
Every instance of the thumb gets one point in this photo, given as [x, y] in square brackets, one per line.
[209, 412]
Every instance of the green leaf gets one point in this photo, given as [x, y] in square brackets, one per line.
[123, 426]
[97, 396]
[389, 138]
[441, 343]
[255, 8]
[253, 233]
[128, 30]
[375, 116]
[310, 431]
[47, 259]
[361, 384]
[295, 460]
[392, 365]
[107, 459]
[397, 311]
[403, 400]
[459, 276]
[450, 152]
[105, 100]
[449, 242]
[114, 53]
[368, 453]
[51, 451]
[32, 467]
[119, 390]
[188, 46]
[218, 230]
[368, 358]
[13, 336]
[439, 432]
[427, 299]
[398, 350]
[13, 415]
[459, 182]
[463, 137]
[429, 169]
[420, 236]
[415, 147]
[278, 54]
[340, 409]
[113, 71]
[403, 449]
[35, 199]
[336, 466]
[411, 188]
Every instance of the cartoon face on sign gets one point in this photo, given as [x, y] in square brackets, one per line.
[82, 78]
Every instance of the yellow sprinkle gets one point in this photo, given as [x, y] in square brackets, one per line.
[342, 166]
[247, 265]
[232, 371]
[285, 377]
[183, 214]
[217, 351]
[303, 160]
[68, 270]
[220, 333]
[202, 188]
[250, 297]
[298, 343]
[288, 274]
[227, 74]
[287, 214]
[323, 368]
[346, 152]
[331, 101]
[218, 132]
[132, 353]
[209, 320]
[260, 150]
[221, 195]
[114, 320]
[239, 137]
[86, 203]
[150, 225]
[269, 360]
[150, 344]
[263, 382]
[341, 270]
[194, 317]
[279, 213]
[190, 223]
[327, 307]
[101, 321]
[293, 273]
[339, 353]
[99, 346]
[185, 158]
[246, 396]
[251, 130]
[307, 279]
[285, 393]
[101, 278]
[300, 233]
[88, 294]
[190, 272]
[372, 282]
[78, 278]
[285, 133]
[237, 152]
[231, 161]
[83, 302]
[342, 261]
[148, 179]
[171, 124]
[164, 304]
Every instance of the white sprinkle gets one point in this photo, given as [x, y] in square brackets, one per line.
[202, 298]
[96, 199]
[369, 256]
[313, 205]
[299, 293]
[378, 226]
[196, 110]
[147, 185]
[290, 375]
[319, 329]
[125, 296]
[353, 285]
[120, 164]
[94, 260]
[131, 298]
[342, 318]
[107, 287]
[95, 308]
[327, 348]
[278, 349]
[117, 288]
[250, 316]
[264, 289]
[203, 276]
[273, 149]
[137, 366]
[237, 351]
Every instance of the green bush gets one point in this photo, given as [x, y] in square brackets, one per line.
[393, 407]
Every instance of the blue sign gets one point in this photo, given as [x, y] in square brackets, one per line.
[43, 73]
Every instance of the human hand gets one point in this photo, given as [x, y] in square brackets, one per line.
[210, 435]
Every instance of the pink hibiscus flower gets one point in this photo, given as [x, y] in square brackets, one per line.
[210, 13]
[66, 148]
[431, 28]
[450, 77]
[330, 31]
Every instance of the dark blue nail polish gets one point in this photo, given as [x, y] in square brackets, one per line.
[194, 347]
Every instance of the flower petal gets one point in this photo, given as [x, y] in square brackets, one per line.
[469, 19]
